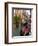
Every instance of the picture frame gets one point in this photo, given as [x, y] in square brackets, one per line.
[17, 8]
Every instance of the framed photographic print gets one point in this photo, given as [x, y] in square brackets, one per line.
[20, 22]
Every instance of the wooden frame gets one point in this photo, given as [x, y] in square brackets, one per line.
[6, 22]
